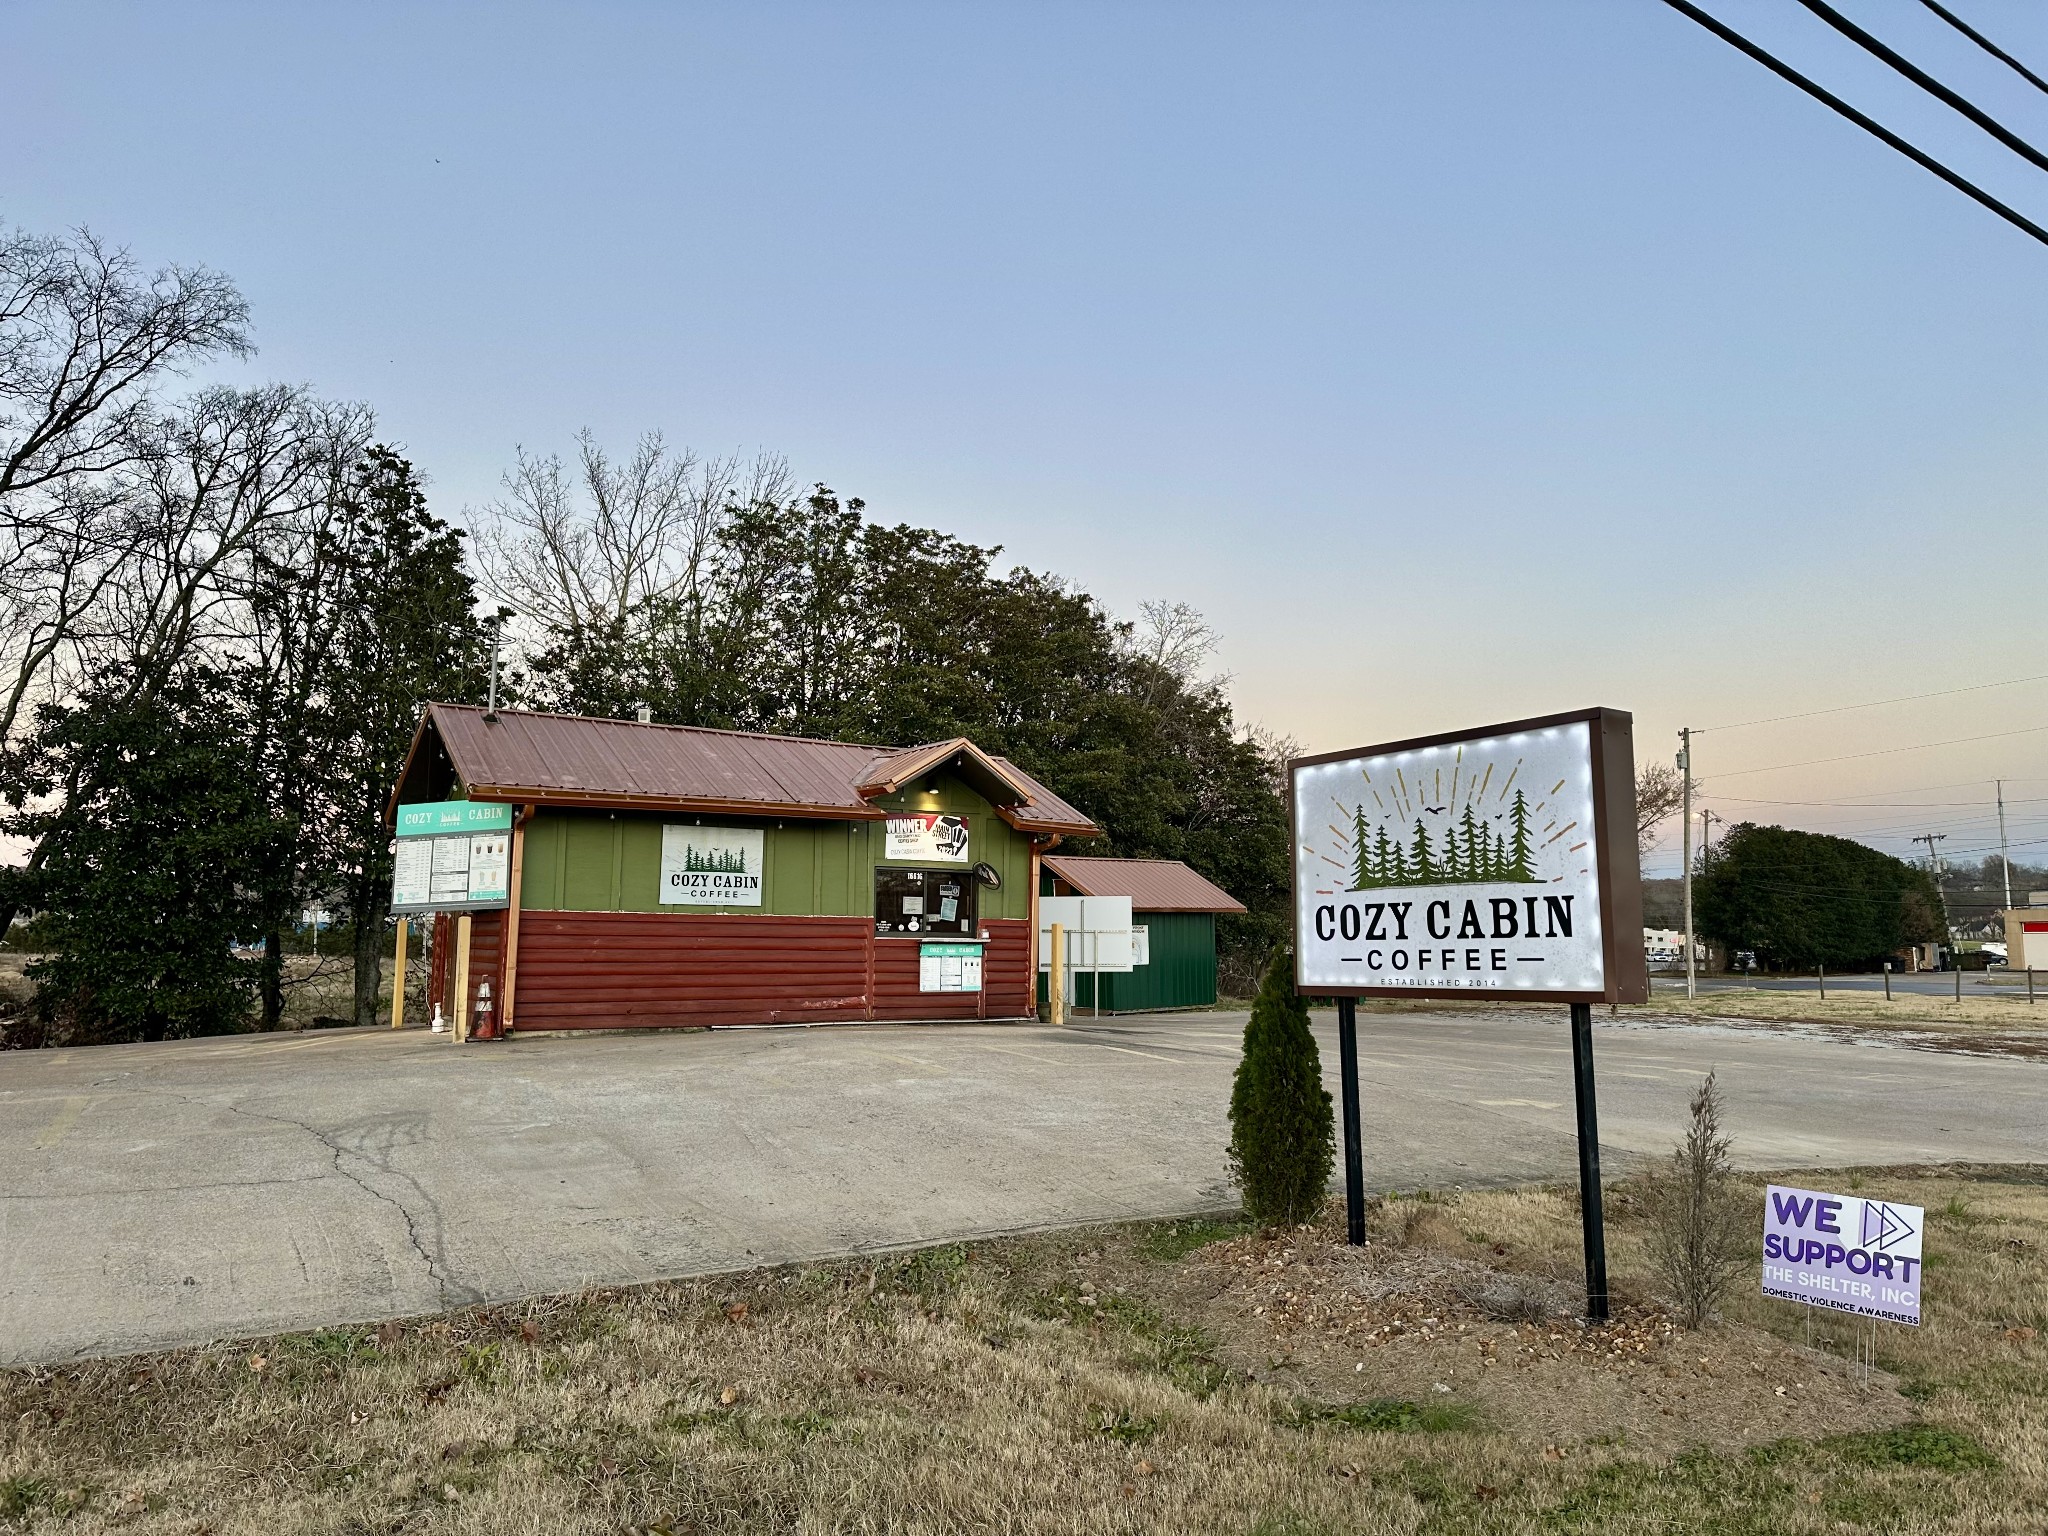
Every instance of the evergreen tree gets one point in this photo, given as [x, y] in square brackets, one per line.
[1802, 899]
[407, 633]
[1422, 865]
[1387, 856]
[1521, 864]
[1363, 875]
[1474, 845]
[1453, 855]
[1283, 1140]
[153, 877]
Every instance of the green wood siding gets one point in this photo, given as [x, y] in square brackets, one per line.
[606, 861]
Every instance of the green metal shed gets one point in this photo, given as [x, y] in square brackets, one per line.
[1177, 909]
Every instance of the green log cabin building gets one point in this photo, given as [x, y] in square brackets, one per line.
[630, 903]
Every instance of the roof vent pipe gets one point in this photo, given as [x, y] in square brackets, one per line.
[643, 714]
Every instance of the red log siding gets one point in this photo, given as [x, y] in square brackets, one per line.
[613, 970]
[486, 963]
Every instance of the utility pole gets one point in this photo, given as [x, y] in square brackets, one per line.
[1707, 820]
[497, 633]
[2004, 864]
[1685, 782]
[1934, 860]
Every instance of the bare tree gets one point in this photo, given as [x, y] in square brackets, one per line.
[1660, 792]
[1175, 638]
[184, 526]
[1278, 749]
[85, 339]
[577, 553]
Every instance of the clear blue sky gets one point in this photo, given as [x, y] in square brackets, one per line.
[1461, 361]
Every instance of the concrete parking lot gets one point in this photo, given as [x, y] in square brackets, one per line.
[154, 1195]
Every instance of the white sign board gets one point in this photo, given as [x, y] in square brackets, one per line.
[1467, 863]
[458, 872]
[925, 838]
[1844, 1253]
[1097, 932]
[949, 967]
[712, 866]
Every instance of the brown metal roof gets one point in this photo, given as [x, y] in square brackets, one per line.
[580, 759]
[1154, 885]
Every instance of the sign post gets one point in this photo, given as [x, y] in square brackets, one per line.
[1492, 864]
[1354, 1153]
[1592, 1211]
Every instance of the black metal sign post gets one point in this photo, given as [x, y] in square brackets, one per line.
[1591, 1216]
[1354, 1156]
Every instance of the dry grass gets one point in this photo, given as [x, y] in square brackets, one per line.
[1995, 1019]
[1166, 1378]
[320, 990]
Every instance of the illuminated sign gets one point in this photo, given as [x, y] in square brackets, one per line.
[1475, 863]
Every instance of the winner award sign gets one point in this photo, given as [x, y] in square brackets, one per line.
[1499, 862]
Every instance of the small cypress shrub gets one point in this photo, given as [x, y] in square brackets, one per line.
[1700, 1227]
[1283, 1136]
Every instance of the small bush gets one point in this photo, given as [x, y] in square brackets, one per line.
[1283, 1135]
[1699, 1224]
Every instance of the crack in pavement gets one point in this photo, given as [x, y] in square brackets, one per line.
[445, 1285]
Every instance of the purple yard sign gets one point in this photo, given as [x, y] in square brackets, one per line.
[1844, 1253]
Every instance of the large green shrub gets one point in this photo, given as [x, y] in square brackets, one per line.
[1283, 1138]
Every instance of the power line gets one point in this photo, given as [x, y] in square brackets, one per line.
[1925, 746]
[1907, 698]
[1986, 44]
[1926, 82]
[1868, 124]
[1874, 805]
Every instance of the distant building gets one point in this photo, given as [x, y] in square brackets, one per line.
[1666, 946]
[2026, 934]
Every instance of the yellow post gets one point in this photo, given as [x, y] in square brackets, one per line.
[459, 1025]
[1056, 981]
[398, 981]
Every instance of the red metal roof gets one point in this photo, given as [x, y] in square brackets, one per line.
[580, 759]
[1154, 885]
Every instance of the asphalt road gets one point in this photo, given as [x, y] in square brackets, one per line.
[155, 1195]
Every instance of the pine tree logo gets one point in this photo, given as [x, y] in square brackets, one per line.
[1472, 844]
[714, 861]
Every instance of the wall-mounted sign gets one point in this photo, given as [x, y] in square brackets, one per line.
[712, 866]
[949, 967]
[925, 838]
[1475, 862]
[1844, 1253]
[440, 817]
[452, 856]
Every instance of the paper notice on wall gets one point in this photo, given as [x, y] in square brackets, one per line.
[926, 838]
[949, 968]
[450, 878]
[412, 873]
[490, 866]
